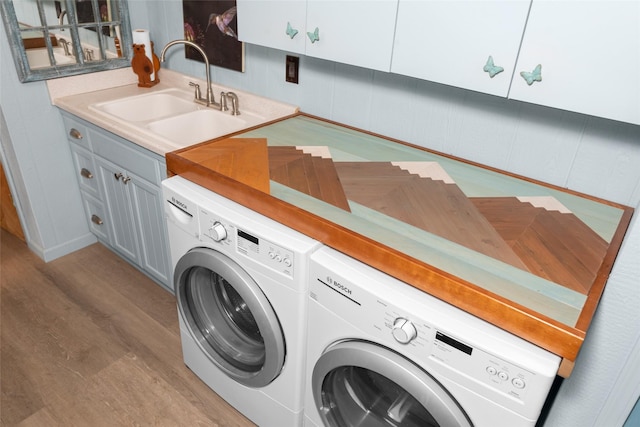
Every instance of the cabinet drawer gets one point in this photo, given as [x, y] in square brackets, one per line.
[126, 157]
[76, 132]
[97, 215]
[85, 170]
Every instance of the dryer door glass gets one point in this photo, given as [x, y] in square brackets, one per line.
[360, 397]
[229, 317]
[224, 320]
[360, 384]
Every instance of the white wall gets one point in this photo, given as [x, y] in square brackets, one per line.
[587, 154]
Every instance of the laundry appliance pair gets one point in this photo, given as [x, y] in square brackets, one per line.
[291, 332]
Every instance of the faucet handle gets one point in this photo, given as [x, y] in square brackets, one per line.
[223, 102]
[235, 103]
[197, 95]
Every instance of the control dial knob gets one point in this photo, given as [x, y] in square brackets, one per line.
[217, 232]
[403, 330]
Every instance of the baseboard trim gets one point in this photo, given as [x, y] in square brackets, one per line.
[50, 254]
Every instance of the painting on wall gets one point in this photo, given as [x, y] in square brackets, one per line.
[212, 24]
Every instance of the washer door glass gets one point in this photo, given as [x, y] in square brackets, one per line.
[360, 384]
[229, 317]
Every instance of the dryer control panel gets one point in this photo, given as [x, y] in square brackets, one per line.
[468, 356]
[445, 344]
[233, 238]
[451, 353]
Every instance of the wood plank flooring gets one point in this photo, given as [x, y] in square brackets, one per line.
[87, 340]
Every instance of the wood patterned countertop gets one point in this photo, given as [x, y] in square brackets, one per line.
[526, 256]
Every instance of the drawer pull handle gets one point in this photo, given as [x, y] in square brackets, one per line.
[534, 76]
[96, 219]
[491, 68]
[117, 176]
[86, 173]
[126, 179]
[291, 32]
[75, 133]
[315, 36]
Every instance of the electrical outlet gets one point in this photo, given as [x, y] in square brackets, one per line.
[291, 69]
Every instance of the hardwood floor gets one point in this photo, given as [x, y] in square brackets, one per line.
[87, 340]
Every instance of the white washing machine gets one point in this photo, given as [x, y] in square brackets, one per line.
[382, 353]
[240, 280]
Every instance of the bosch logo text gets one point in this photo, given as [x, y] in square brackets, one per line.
[178, 203]
[339, 286]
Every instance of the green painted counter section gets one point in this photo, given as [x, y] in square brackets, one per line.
[543, 296]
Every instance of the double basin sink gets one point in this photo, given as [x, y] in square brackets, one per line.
[172, 115]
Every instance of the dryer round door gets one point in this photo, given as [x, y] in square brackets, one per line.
[229, 317]
[361, 384]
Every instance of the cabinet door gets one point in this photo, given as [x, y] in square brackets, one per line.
[119, 209]
[265, 23]
[589, 52]
[450, 42]
[150, 222]
[356, 32]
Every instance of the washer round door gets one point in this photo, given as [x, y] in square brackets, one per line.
[229, 317]
[361, 384]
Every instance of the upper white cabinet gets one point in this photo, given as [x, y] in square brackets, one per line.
[265, 23]
[578, 55]
[355, 32]
[589, 53]
[450, 42]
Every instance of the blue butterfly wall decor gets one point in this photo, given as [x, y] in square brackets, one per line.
[314, 37]
[534, 76]
[492, 69]
[290, 31]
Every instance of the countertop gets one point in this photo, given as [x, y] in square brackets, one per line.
[528, 257]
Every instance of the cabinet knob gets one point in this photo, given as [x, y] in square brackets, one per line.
[315, 36]
[126, 179]
[491, 68]
[291, 32]
[96, 219]
[86, 173]
[534, 76]
[117, 175]
[75, 133]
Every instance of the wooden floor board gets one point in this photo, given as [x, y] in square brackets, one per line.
[89, 340]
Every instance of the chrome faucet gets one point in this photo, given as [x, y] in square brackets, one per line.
[209, 101]
[61, 18]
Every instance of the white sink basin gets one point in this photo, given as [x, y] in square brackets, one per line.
[147, 107]
[170, 119]
[39, 58]
[199, 126]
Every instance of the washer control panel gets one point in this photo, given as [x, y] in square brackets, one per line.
[433, 345]
[467, 355]
[231, 237]
[446, 349]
